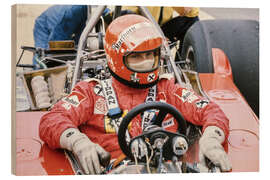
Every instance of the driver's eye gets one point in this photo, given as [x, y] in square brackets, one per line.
[134, 56]
[149, 54]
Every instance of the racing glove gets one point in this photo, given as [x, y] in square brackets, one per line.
[210, 147]
[88, 153]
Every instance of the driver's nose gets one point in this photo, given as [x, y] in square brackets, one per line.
[144, 56]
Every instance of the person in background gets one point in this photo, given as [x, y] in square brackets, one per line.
[86, 121]
[58, 23]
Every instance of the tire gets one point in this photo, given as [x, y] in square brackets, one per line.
[197, 49]
[239, 39]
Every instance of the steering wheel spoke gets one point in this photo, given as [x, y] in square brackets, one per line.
[161, 115]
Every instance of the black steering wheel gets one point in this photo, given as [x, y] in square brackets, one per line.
[163, 108]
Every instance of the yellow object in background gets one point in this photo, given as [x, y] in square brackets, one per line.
[167, 12]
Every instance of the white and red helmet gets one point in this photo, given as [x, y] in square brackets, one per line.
[127, 35]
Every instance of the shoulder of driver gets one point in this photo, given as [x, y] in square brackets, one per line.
[86, 84]
[168, 76]
[91, 80]
[167, 81]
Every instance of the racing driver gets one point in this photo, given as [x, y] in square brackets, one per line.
[83, 122]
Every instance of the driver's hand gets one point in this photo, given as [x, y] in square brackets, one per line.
[88, 153]
[210, 147]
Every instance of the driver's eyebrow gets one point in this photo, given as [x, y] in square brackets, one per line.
[133, 55]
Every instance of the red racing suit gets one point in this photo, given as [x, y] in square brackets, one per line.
[85, 108]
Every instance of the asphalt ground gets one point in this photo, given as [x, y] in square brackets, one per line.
[26, 15]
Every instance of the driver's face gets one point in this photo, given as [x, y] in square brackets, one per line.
[139, 57]
[142, 61]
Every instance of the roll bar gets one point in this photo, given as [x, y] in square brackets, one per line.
[91, 24]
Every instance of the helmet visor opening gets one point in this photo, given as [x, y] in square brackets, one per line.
[142, 61]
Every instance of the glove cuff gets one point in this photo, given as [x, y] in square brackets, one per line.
[69, 137]
[214, 132]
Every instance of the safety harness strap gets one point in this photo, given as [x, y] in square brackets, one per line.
[114, 111]
[149, 115]
[113, 107]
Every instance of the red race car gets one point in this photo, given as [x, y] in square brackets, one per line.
[219, 61]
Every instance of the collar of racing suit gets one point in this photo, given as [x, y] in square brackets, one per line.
[124, 89]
